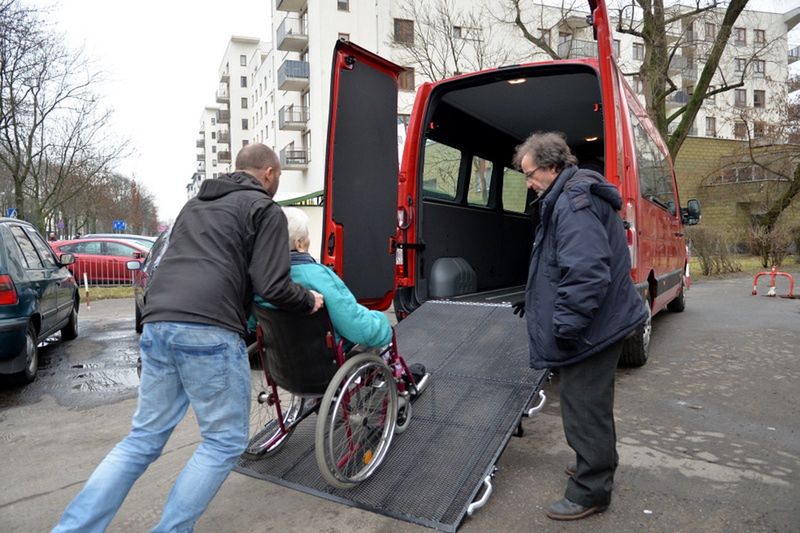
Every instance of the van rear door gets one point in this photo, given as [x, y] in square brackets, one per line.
[361, 171]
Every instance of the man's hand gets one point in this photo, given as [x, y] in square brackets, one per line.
[319, 301]
[519, 308]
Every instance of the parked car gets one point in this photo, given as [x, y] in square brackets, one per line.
[104, 260]
[455, 221]
[143, 240]
[38, 297]
[143, 271]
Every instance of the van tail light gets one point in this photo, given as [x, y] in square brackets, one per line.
[630, 230]
[8, 293]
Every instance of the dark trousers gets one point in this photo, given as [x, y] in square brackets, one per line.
[587, 411]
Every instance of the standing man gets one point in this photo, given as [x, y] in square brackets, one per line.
[580, 304]
[227, 243]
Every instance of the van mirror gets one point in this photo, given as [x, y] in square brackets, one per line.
[691, 213]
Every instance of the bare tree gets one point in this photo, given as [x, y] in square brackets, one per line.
[440, 40]
[52, 143]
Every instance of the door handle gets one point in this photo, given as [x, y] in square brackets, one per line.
[678, 234]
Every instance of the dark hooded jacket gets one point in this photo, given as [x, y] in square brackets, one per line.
[579, 282]
[228, 242]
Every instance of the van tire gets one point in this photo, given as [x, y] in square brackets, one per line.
[636, 348]
[678, 304]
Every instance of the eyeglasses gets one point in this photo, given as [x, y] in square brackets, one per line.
[530, 173]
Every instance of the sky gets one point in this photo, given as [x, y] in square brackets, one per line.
[160, 60]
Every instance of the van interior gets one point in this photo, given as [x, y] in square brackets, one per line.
[477, 216]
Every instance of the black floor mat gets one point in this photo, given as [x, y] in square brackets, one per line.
[480, 383]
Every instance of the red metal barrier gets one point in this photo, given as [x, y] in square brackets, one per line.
[773, 273]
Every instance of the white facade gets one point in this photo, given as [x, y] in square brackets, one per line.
[288, 82]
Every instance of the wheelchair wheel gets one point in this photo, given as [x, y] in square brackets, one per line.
[266, 436]
[356, 422]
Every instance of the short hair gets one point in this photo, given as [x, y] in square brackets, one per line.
[256, 156]
[298, 225]
[548, 149]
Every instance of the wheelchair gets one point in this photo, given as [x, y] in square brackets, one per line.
[361, 399]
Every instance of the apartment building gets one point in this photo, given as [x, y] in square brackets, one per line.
[278, 93]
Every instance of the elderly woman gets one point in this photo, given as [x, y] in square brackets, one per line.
[351, 320]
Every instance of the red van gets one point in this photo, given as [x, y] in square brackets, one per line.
[455, 222]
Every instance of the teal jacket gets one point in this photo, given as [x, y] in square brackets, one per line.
[351, 320]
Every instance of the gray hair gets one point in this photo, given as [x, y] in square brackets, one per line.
[548, 150]
[298, 225]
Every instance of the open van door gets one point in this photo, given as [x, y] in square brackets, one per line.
[610, 89]
[361, 169]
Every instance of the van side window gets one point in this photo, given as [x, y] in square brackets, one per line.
[655, 176]
[515, 191]
[480, 181]
[440, 171]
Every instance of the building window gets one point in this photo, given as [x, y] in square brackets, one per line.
[740, 36]
[464, 32]
[616, 46]
[759, 98]
[213, 162]
[343, 5]
[711, 31]
[564, 36]
[740, 130]
[759, 66]
[739, 64]
[345, 36]
[711, 127]
[244, 124]
[244, 103]
[544, 34]
[213, 121]
[689, 90]
[713, 97]
[740, 97]
[759, 37]
[213, 134]
[245, 143]
[243, 60]
[213, 149]
[406, 80]
[758, 129]
[404, 31]
[243, 81]
[638, 84]
[638, 51]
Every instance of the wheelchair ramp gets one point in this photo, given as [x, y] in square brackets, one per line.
[477, 355]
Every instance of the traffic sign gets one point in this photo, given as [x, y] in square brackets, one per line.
[11, 212]
[119, 225]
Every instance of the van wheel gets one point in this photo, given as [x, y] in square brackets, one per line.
[70, 331]
[636, 348]
[679, 303]
[28, 374]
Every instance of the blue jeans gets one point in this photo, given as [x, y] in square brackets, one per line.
[183, 364]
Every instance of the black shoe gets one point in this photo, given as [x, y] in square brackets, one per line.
[565, 509]
[570, 469]
[417, 371]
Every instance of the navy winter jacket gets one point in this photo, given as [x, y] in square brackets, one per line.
[579, 283]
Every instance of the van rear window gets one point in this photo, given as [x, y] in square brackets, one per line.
[515, 192]
[480, 182]
[440, 171]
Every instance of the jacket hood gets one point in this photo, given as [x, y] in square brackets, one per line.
[228, 183]
[585, 181]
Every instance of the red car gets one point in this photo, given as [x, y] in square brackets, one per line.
[103, 260]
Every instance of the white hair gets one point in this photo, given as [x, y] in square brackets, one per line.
[298, 225]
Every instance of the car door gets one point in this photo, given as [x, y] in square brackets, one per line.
[361, 174]
[39, 279]
[58, 276]
[116, 256]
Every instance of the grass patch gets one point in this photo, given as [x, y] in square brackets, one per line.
[106, 293]
[750, 264]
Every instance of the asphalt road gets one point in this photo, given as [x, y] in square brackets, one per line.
[709, 435]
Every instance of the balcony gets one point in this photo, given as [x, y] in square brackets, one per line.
[292, 159]
[290, 5]
[677, 99]
[293, 118]
[201, 143]
[794, 54]
[689, 74]
[224, 157]
[678, 64]
[223, 137]
[223, 97]
[293, 75]
[201, 157]
[292, 35]
[574, 48]
[223, 116]
[224, 77]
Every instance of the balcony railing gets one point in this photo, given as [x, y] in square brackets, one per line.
[201, 143]
[223, 116]
[222, 96]
[293, 75]
[689, 74]
[292, 159]
[293, 118]
[290, 5]
[577, 48]
[223, 137]
[292, 34]
[201, 157]
[224, 76]
[794, 54]
[224, 157]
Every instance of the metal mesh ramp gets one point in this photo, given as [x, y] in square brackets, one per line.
[477, 355]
